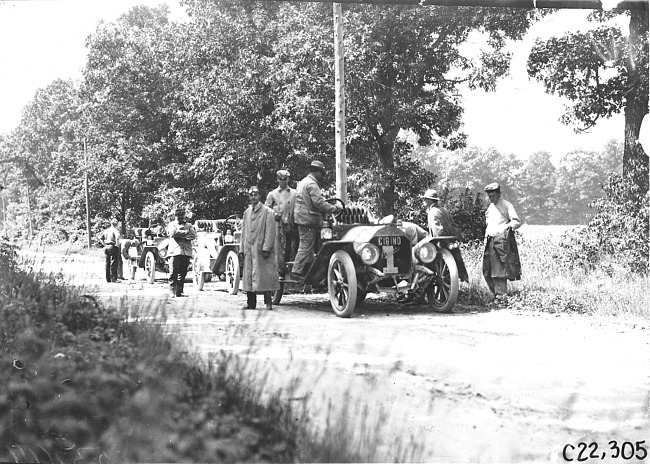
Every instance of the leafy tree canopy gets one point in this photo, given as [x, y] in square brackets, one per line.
[603, 72]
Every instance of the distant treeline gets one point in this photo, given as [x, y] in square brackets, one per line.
[542, 192]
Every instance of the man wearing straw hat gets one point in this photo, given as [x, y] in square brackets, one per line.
[440, 224]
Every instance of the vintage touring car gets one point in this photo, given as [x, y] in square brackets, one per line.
[359, 254]
[148, 251]
[217, 251]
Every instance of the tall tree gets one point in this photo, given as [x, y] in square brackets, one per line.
[256, 95]
[403, 68]
[44, 152]
[603, 72]
[129, 109]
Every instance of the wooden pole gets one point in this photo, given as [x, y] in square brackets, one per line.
[339, 105]
[29, 213]
[90, 241]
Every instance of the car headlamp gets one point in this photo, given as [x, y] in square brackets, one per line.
[162, 252]
[426, 252]
[326, 233]
[369, 253]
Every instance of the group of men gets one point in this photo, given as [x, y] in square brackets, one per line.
[501, 256]
[305, 206]
[287, 227]
[179, 250]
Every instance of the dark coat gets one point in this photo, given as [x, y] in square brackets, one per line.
[310, 204]
[258, 235]
[501, 257]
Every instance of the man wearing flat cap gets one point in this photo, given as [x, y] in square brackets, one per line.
[441, 224]
[501, 257]
[307, 212]
[180, 252]
[281, 201]
[260, 273]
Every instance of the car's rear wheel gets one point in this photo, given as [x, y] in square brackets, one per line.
[199, 276]
[277, 294]
[232, 272]
[442, 292]
[150, 267]
[342, 284]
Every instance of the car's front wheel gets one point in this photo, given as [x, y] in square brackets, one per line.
[442, 292]
[342, 284]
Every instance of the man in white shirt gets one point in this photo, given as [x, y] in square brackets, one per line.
[111, 242]
[501, 257]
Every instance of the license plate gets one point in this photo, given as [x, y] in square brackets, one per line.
[389, 241]
[389, 255]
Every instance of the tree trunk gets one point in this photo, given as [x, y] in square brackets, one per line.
[386, 184]
[635, 159]
[125, 194]
[386, 176]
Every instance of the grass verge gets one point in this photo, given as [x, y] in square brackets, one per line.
[551, 284]
[81, 382]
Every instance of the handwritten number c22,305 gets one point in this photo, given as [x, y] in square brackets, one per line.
[589, 451]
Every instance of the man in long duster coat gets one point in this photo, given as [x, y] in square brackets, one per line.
[258, 240]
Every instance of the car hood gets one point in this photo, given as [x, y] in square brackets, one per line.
[365, 234]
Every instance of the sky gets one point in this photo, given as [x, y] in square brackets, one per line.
[42, 40]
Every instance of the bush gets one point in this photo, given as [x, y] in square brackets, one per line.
[618, 230]
[80, 384]
[466, 208]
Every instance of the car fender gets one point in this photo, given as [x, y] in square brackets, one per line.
[318, 271]
[219, 266]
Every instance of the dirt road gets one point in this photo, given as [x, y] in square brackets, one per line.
[472, 386]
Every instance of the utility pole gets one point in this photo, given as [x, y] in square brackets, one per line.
[4, 211]
[29, 212]
[339, 105]
[90, 241]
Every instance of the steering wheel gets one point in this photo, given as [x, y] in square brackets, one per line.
[333, 201]
[235, 220]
